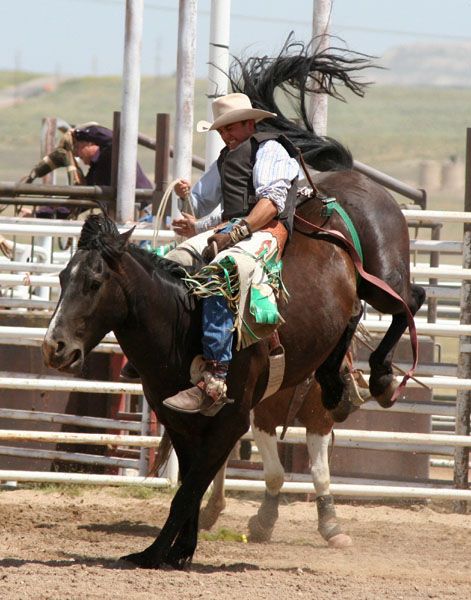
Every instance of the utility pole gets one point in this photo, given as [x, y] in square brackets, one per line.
[219, 35]
[184, 100]
[322, 10]
[129, 129]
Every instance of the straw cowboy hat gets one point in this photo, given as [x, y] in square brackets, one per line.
[231, 109]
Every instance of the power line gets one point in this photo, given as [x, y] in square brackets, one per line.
[292, 22]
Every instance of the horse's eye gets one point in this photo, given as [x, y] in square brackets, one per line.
[94, 285]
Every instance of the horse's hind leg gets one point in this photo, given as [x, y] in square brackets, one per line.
[261, 525]
[328, 526]
[334, 392]
[216, 502]
[382, 383]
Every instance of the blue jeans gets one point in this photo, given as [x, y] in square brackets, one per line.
[218, 321]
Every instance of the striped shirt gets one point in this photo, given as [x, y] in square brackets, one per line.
[273, 173]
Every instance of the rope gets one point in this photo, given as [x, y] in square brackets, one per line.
[161, 211]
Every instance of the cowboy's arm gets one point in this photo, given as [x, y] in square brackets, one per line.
[261, 214]
[206, 198]
[273, 175]
[55, 159]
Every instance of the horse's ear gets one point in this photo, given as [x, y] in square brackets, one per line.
[124, 237]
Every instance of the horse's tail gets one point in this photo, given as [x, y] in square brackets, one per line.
[161, 456]
[300, 70]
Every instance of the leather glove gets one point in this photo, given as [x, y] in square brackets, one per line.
[216, 243]
[220, 241]
[26, 179]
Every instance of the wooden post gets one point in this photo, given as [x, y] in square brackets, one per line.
[162, 154]
[114, 161]
[48, 143]
[434, 262]
[463, 398]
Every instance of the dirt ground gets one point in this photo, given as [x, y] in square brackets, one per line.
[65, 545]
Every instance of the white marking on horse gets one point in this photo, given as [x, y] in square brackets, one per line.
[318, 446]
[272, 467]
[53, 321]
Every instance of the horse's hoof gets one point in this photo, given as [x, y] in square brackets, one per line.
[258, 533]
[208, 518]
[343, 409]
[141, 560]
[341, 540]
[385, 398]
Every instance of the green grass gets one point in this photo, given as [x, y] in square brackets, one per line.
[392, 128]
[11, 78]
[394, 124]
[72, 490]
[223, 535]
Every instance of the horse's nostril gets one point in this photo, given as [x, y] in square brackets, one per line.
[60, 347]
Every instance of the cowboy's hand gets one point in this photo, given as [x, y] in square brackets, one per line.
[27, 178]
[6, 247]
[185, 225]
[182, 188]
[217, 243]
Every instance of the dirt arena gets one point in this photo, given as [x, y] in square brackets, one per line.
[61, 545]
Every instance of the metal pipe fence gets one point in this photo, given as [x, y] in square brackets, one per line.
[451, 275]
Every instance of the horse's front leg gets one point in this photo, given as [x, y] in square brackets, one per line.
[176, 543]
[328, 526]
[262, 524]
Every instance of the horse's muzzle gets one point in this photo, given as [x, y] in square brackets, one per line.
[61, 356]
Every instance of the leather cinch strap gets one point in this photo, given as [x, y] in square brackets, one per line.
[381, 285]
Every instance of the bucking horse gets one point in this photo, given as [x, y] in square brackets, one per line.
[110, 284]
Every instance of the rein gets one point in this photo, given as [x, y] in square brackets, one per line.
[348, 246]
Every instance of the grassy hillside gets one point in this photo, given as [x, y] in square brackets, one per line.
[10, 78]
[392, 128]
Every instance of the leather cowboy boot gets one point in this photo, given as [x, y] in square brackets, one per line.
[208, 396]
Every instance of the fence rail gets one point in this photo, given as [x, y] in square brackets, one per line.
[42, 274]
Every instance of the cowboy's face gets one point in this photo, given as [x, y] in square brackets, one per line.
[85, 150]
[236, 133]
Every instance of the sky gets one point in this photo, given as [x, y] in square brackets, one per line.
[85, 37]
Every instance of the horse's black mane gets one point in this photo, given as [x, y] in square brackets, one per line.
[298, 70]
[99, 232]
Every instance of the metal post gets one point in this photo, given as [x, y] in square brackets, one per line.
[322, 10]
[130, 112]
[463, 398]
[185, 93]
[219, 35]
[161, 159]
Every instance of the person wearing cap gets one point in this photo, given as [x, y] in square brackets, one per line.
[244, 203]
[92, 144]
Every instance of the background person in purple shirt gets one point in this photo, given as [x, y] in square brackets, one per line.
[92, 143]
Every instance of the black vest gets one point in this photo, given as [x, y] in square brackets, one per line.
[236, 171]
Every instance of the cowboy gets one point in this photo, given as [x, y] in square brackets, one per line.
[92, 143]
[249, 192]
